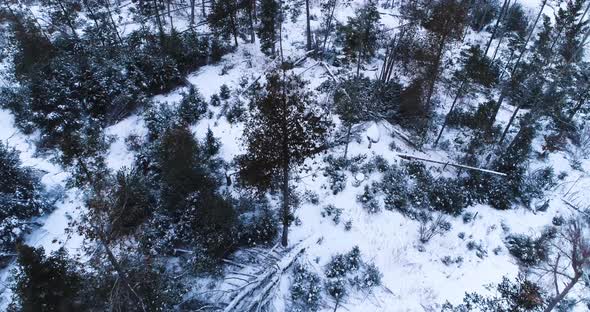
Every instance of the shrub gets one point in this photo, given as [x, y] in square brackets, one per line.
[528, 250]
[22, 197]
[480, 250]
[447, 195]
[368, 278]
[192, 106]
[333, 212]
[335, 173]
[368, 199]
[257, 228]
[535, 184]
[343, 264]
[46, 282]
[305, 288]
[350, 269]
[348, 225]
[430, 227]
[395, 187]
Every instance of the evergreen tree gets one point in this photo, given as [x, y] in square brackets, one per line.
[445, 22]
[224, 19]
[477, 69]
[350, 101]
[360, 34]
[22, 197]
[46, 283]
[521, 295]
[282, 132]
[192, 106]
[268, 31]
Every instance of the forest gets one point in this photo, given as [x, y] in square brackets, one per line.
[295, 155]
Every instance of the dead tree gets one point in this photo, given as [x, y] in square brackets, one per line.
[571, 258]
[308, 26]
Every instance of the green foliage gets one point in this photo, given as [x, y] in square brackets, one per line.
[521, 295]
[332, 212]
[192, 106]
[284, 129]
[269, 22]
[359, 35]
[305, 288]
[445, 18]
[350, 269]
[478, 68]
[411, 188]
[335, 171]
[482, 13]
[528, 250]
[368, 199]
[22, 197]
[46, 283]
[257, 223]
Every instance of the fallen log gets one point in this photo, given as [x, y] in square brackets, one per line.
[412, 157]
[257, 291]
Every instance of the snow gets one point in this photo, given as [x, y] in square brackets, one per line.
[413, 279]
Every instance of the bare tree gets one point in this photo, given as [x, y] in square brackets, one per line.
[430, 227]
[570, 258]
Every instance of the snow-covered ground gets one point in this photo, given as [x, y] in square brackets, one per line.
[414, 279]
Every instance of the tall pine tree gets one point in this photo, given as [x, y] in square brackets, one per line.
[285, 129]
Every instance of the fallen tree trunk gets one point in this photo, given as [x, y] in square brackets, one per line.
[256, 293]
[411, 157]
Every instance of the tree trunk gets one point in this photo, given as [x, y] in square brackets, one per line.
[563, 293]
[329, 26]
[158, 19]
[169, 15]
[348, 131]
[203, 9]
[483, 18]
[251, 8]
[500, 17]
[192, 22]
[510, 121]
[114, 25]
[524, 49]
[434, 77]
[119, 270]
[308, 30]
[68, 21]
[232, 19]
[285, 211]
[358, 64]
[457, 96]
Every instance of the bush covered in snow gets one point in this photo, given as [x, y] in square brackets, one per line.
[335, 171]
[22, 198]
[305, 288]
[350, 269]
[529, 250]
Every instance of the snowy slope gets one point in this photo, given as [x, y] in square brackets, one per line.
[413, 279]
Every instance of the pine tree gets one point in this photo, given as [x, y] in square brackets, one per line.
[268, 33]
[445, 23]
[22, 197]
[224, 19]
[351, 100]
[477, 69]
[192, 106]
[283, 131]
[46, 283]
[360, 34]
